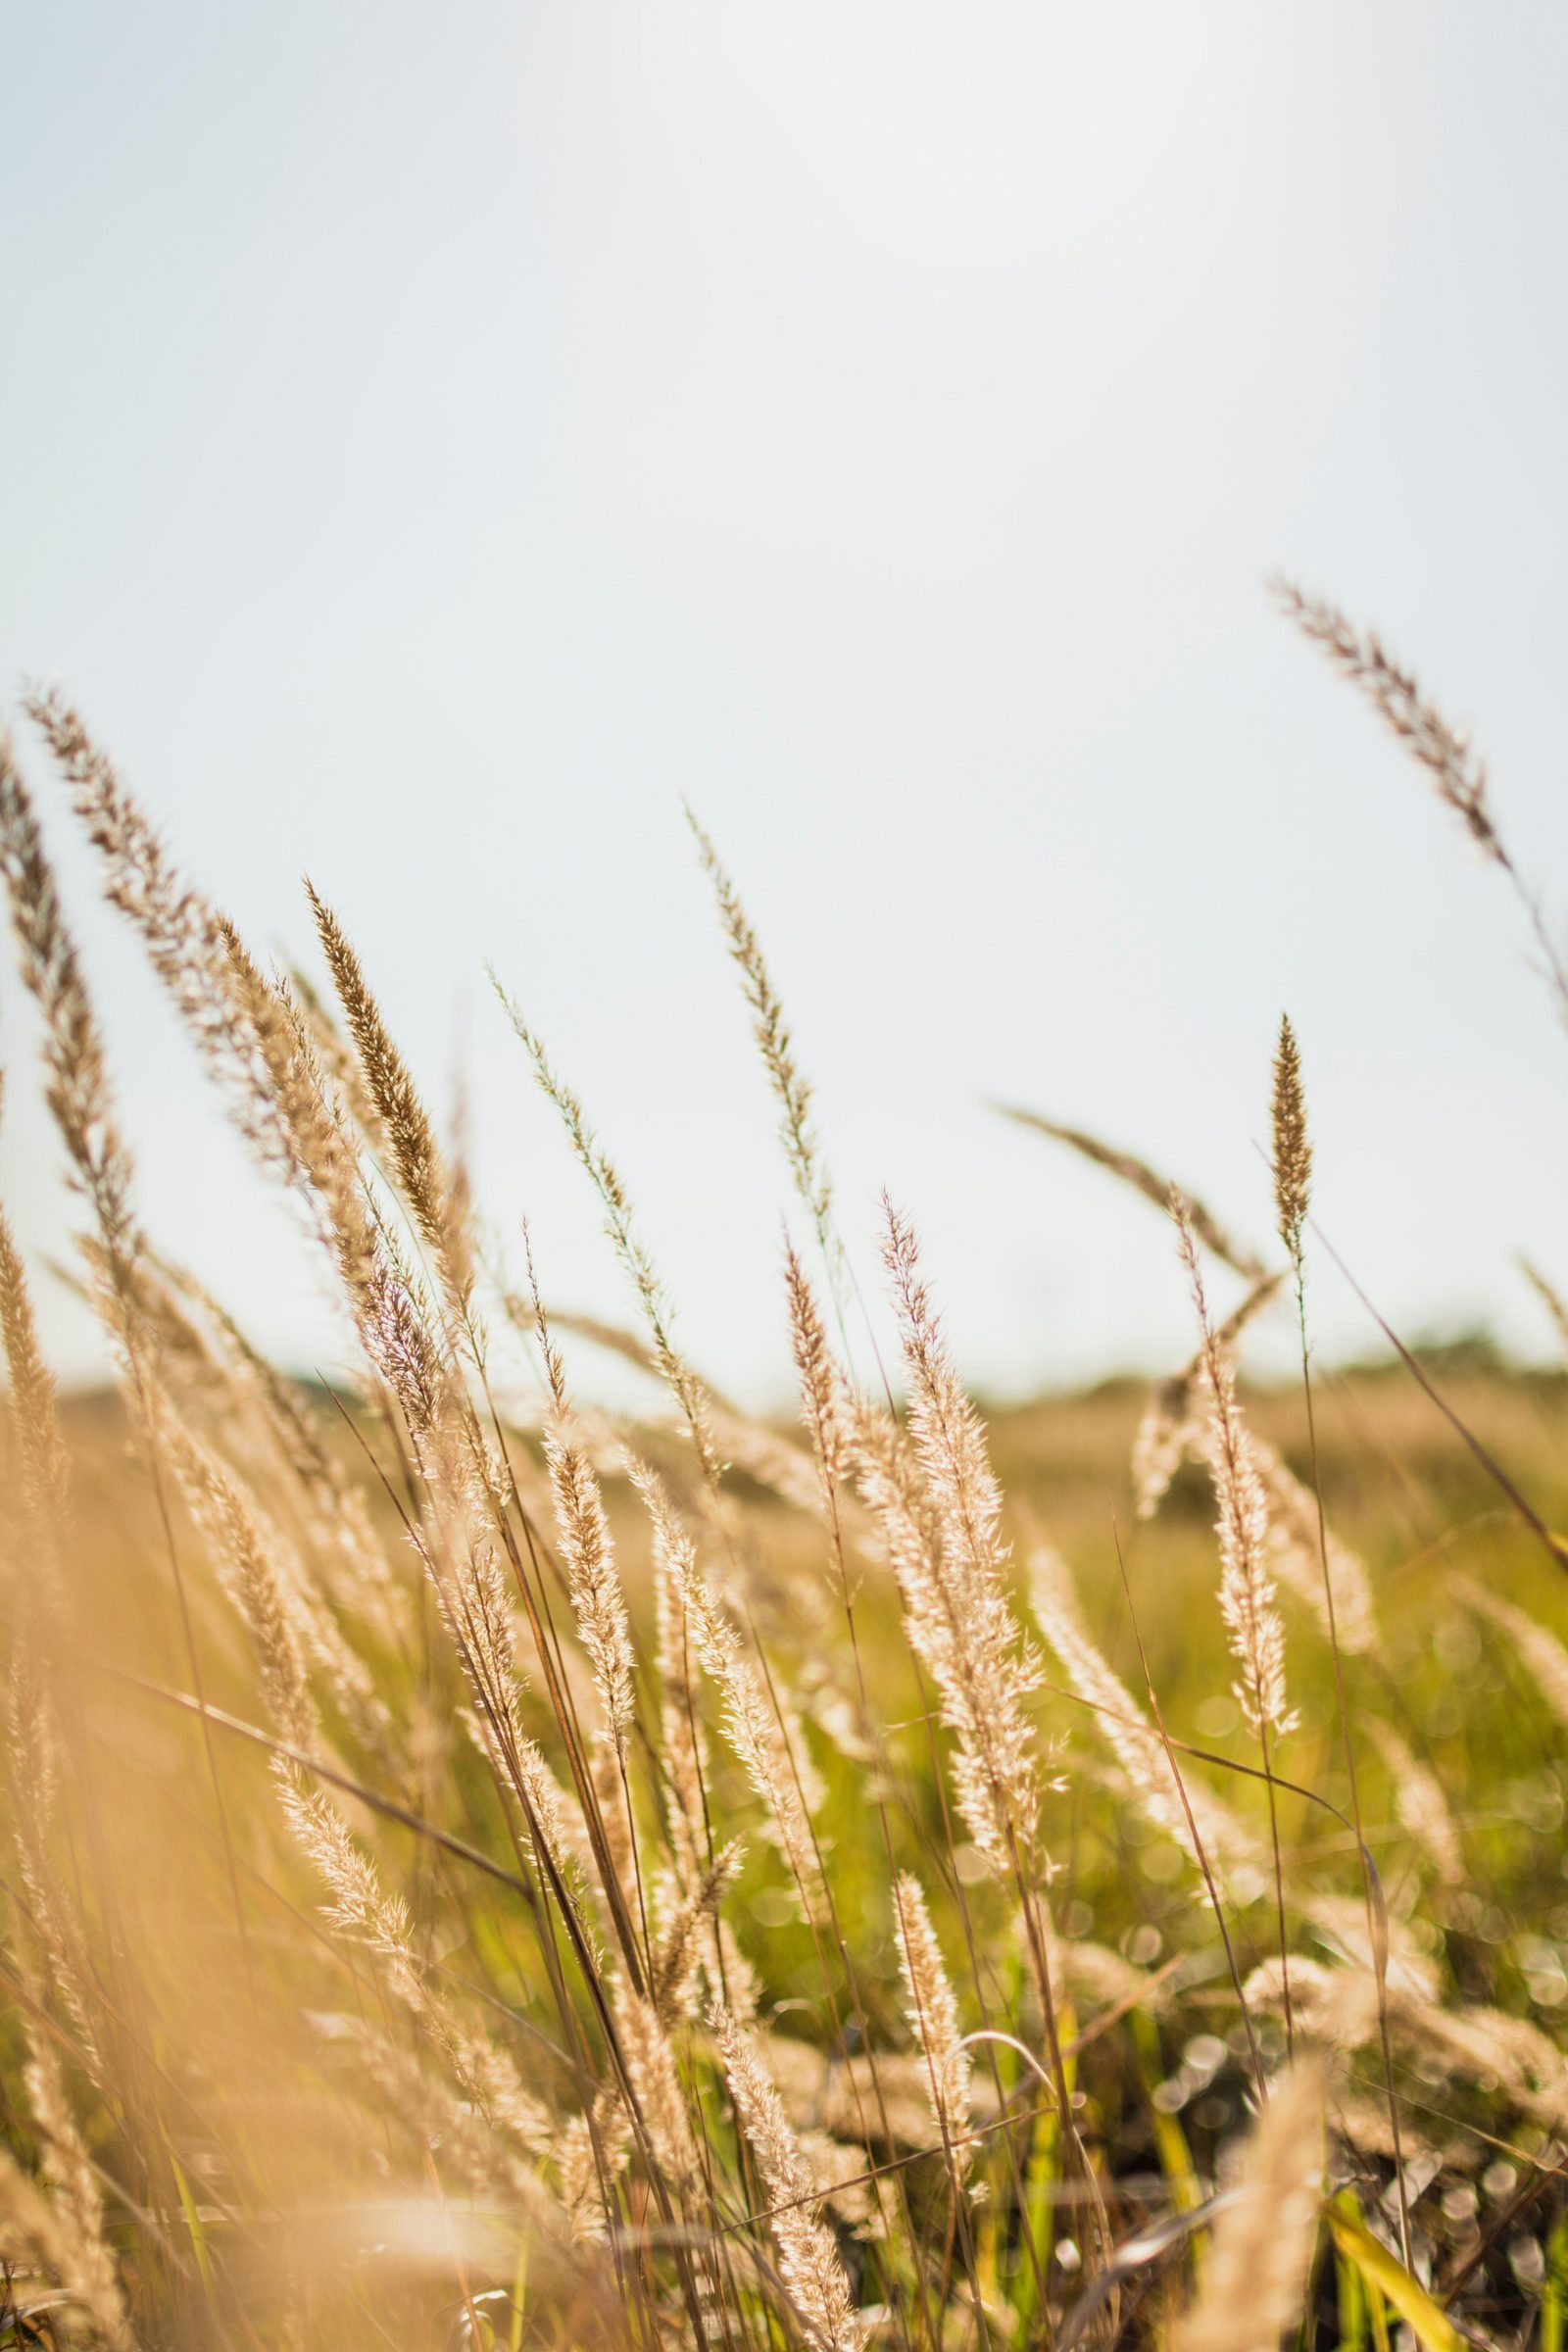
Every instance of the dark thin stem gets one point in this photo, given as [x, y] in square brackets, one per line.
[1494, 1469]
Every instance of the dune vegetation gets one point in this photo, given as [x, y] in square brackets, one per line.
[484, 1869]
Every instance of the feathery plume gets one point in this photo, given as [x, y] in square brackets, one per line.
[338, 1060]
[776, 1764]
[1131, 1738]
[1550, 1298]
[1173, 1417]
[586, 1548]
[676, 1952]
[1248, 1600]
[74, 1057]
[1169, 1429]
[291, 1623]
[32, 1768]
[933, 2014]
[362, 1908]
[1337, 2008]
[33, 2224]
[656, 2083]
[790, 1085]
[1295, 1556]
[265, 1408]
[808, 2259]
[238, 1028]
[943, 1532]
[1444, 750]
[1419, 1803]
[748, 1444]
[72, 2244]
[621, 1225]
[250, 1570]
[1256, 2278]
[1246, 1596]
[822, 1387]
[683, 1757]
[45, 1471]
[1540, 1652]
[472, 2150]
[85, 2260]
[255, 1039]
[1292, 1150]
[589, 2157]
[611, 1802]
[416, 1160]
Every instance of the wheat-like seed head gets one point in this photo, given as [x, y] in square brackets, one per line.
[789, 1083]
[416, 1160]
[944, 1535]
[1444, 749]
[1246, 1596]
[252, 1033]
[808, 2260]
[73, 1057]
[1292, 1150]
[822, 1385]
[682, 1928]
[586, 1546]
[933, 2014]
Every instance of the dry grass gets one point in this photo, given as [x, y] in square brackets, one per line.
[483, 1871]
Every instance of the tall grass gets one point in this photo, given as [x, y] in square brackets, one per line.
[485, 1870]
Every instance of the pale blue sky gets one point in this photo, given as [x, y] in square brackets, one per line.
[437, 440]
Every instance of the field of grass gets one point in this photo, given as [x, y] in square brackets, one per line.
[480, 1870]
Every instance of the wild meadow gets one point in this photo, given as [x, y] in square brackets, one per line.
[485, 1869]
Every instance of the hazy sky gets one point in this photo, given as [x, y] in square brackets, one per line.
[438, 440]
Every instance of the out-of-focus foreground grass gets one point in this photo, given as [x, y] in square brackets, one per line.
[251, 2042]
